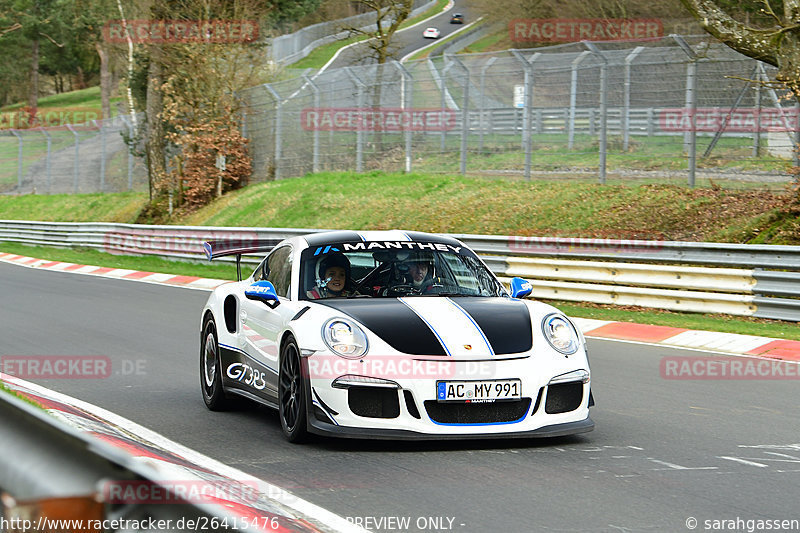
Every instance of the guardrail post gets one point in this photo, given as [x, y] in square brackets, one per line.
[19, 160]
[482, 102]
[278, 131]
[573, 98]
[626, 105]
[464, 115]
[690, 137]
[603, 107]
[360, 132]
[315, 142]
[47, 159]
[406, 102]
[76, 163]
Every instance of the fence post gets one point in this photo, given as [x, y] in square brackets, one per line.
[443, 78]
[76, 163]
[626, 112]
[315, 142]
[757, 132]
[360, 132]
[603, 108]
[131, 132]
[100, 126]
[464, 115]
[278, 130]
[482, 101]
[406, 102]
[796, 147]
[690, 137]
[526, 122]
[47, 159]
[573, 97]
[19, 160]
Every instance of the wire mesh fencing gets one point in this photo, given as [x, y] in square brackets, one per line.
[675, 108]
[71, 158]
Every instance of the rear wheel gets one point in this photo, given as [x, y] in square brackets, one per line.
[210, 369]
[292, 394]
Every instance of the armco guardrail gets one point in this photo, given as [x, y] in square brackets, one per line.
[737, 279]
[44, 459]
[71, 466]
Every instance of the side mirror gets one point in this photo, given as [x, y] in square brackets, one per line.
[520, 288]
[263, 291]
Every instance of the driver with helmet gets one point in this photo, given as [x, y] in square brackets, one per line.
[420, 272]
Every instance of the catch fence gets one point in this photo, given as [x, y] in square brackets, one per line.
[679, 107]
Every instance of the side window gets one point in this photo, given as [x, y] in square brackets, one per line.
[278, 270]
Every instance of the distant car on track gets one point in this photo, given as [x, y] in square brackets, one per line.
[431, 33]
[457, 18]
[390, 335]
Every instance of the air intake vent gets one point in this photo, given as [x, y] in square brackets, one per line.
[563, 397]
[374, 402]
[477, 413]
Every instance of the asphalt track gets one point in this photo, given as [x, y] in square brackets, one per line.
[406, 41]
[663, 450]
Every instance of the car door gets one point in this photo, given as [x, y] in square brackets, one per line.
[261, 325]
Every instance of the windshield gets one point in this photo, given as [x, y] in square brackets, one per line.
[389, 273]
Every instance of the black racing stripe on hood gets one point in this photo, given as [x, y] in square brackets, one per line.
[505, 322]
[392, 321]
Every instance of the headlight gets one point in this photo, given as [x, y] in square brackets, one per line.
[344, 338]
[560, 334]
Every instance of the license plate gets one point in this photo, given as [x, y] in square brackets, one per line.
[470, 391]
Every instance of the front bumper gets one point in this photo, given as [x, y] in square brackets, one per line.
[411, 411]
[557, 430]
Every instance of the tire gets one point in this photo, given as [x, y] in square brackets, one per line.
[292, 394]
[211, 369]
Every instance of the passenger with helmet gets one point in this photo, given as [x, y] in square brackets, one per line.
[420, 272]
[334, 280]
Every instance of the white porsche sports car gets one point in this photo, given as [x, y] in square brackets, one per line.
[393, 335]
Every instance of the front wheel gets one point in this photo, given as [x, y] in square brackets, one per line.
[210, 369]
[291, 394]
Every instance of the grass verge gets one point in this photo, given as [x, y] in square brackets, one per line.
[708, 322]
[458, 204]
[86, 256]
[4, 389]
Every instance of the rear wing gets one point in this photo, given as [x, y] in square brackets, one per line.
[225, 247]
[238, 247]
